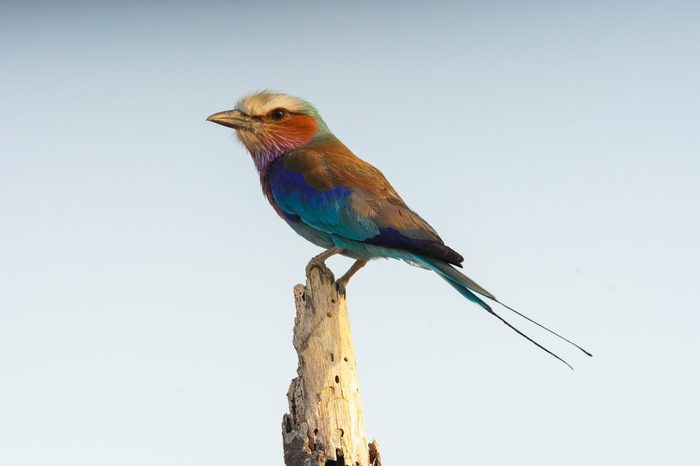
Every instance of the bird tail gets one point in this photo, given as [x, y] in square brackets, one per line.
[470, 289]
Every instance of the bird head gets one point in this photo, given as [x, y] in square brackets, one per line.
[270, 124]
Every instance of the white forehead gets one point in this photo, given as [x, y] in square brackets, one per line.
[263, 102]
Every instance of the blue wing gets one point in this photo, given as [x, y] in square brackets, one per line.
[327, 210]
[374, 216]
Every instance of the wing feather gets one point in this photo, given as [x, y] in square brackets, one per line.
[333, 190]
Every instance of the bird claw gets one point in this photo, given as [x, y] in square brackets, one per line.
[321, 266]
[340, 285]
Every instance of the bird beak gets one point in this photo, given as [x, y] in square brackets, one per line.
[232, 118]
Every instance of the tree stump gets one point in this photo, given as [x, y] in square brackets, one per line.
[325, 425]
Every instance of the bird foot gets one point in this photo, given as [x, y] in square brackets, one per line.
[340, 285]
[320, 262]
[321, 266]
[343, 281]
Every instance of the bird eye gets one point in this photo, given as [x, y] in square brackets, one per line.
[278, 114]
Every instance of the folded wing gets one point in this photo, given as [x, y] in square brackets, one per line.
[334, 191]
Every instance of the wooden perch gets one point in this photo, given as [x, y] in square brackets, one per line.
[325, 425]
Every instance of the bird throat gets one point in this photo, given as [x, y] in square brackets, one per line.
[267, 143]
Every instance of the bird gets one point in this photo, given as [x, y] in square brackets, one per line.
[341, 203]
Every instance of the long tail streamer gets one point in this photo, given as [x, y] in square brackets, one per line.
[468, 287]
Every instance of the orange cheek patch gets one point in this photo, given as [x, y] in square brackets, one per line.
[301, 128]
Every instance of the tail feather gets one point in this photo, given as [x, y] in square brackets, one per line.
[450, 274]
[468, 287]
[542, 326]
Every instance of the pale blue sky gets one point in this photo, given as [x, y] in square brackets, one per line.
[145, 283]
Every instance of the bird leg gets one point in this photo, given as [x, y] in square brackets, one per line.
[342, 282]
[319, 261]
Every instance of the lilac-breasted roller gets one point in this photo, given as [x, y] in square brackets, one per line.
[338, 201]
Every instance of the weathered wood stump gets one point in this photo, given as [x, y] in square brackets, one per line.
[325, 425]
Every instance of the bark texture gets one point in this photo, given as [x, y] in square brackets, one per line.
[325, 425]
